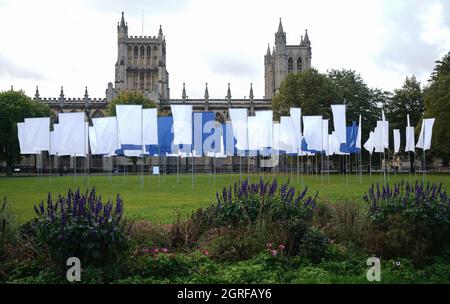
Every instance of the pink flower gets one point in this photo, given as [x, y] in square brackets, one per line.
[269, 245]
[281, 247]
[145, 250]
[156, 250]
[205, 252]
[274, 253]
[165, 250]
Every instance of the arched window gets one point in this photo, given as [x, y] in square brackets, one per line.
[299, 64]
[129, 53]
[136, 54]
[142, 55]
[149, 55]
[290, 65]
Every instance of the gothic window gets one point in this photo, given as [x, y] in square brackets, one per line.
[299, 64]
[149, 55]
[136, 54]
[290, 65]
[129, 53]
[142, 54]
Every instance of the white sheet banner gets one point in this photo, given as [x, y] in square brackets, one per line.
[325, 135]
[150, 126]
[296, 116]
[265, 122]
[410, 141]
[106, 134]
[288, 137]
[312, 132]
[359, 137]
[37, 134]
[396, 140]
[339, 121]
[21, 134]
[239, 123]
[72, 136]
[182, 124]
[369, 144]
[424, 141]
[276, 138]
[129, 125]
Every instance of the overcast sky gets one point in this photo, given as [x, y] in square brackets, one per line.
[51, 43]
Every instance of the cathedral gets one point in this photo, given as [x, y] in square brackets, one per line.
[284, 59]
[141, 66]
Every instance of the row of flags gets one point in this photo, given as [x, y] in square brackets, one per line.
[136, 131]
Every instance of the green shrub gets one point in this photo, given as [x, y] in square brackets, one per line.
[80, 225]
[314, 245]
[408, 220]
[8, 229]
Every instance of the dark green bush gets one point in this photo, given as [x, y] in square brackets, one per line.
[408, 220]
[314, 245]
[80, 225]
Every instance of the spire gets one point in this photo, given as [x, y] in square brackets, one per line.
[122, 21]
[251, 91]
[268, 50]
[86, 95]
[229, 92]
[36, 95]
[183, 94]
[306, 39]
[280, 27]
[206, 92]
[61, 94]
[160, 33]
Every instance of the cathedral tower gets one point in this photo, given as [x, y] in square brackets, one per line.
[141, 63]
[285, 59]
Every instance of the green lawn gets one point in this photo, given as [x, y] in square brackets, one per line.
[157, 198]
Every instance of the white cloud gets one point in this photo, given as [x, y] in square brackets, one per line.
[74, 43]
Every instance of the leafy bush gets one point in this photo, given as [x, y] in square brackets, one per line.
[80, 225]
[410, 220]
[263, 204]
[314, 245]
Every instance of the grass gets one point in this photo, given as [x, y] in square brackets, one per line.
[158, 197]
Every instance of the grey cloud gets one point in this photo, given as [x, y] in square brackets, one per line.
[11, 69]
[150, 7]
[403, 46]
[233, 65]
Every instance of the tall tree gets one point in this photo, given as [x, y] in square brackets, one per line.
[15, 106]
[129, 97]
[437, 105]
[408, 99]
[358, 98]
[310, 90]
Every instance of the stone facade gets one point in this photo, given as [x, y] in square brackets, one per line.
[284, 59]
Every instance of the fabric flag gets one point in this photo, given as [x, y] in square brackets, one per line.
[150, 126]
[339, 122]
[93, 142]
[21, 133]
[396, 140]
[106, 134]
[312, 133]
[325, 136]
[296, 116]
[37, 134]
[287, 135]
[358, 138]
[182, 124]
[378, 138]
[129, 128]
[369, 144]
[69, 138]
[265, 122]
[424, 141]
[239, 123]
[276, 138]
[253, 143]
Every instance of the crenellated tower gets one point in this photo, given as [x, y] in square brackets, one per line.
[141, 63]
[284, 59]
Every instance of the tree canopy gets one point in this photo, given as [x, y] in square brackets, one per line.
[437, 105]
[129, 97]
[15, 106]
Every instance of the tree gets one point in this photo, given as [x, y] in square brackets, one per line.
[358, 98]
[129, 97]
[406, 100]
[15, 106]
[310, 90]
[437, 105]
